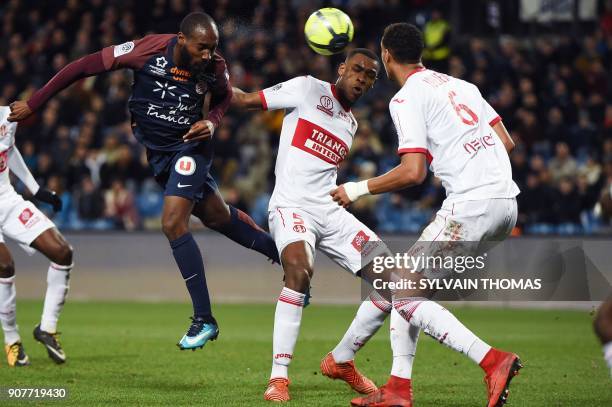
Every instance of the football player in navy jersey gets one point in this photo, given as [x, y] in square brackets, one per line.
[172, 75]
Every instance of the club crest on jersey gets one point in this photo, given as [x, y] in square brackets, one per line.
[326, 105]
[185, 165]
[201, 88]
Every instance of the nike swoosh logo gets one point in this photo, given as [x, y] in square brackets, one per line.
[58, 354]
[183, 185]
[24, 360]
[193, 339]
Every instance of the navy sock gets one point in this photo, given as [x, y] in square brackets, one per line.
[189, 260]
[243, 230]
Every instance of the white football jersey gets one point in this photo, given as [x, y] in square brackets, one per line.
[7, 140]
[449, 121]
[316, 136]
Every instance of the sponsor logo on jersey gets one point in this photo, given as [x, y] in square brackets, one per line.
[180, 75]
[156, 70]
[161, 62]
[359, 241]
[472, 147]
[397, 100]
[3, 161]
[123, 49]
[185, 165]
[276, 87]
[319, 142]
[326, 105]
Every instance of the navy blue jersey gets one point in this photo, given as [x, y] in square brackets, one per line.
[165, 99]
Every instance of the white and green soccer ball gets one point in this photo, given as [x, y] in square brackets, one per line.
[328, 31]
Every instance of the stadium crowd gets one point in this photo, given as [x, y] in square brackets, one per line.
[552, 91]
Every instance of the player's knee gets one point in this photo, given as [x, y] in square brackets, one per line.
[7, 269]
[297, 274]
[216, 218]
[173, 228]
[63, 254]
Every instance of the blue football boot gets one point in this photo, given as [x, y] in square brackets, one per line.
[201, 331]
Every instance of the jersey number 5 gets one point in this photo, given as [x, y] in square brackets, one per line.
[463, 111]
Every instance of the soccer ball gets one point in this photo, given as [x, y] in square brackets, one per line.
[328, 31]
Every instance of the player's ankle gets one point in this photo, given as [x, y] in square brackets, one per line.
[489, 362]
[400, 386]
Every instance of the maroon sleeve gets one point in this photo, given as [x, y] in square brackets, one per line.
[86, 66]
[221, 93]
[134, 54]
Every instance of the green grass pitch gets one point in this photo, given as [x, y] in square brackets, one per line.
[125, 354]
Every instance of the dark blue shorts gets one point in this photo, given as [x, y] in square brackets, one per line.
[184, 173]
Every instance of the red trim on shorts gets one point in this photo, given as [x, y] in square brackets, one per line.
[262, 97]
[282, 218]
[495, 121]
[425, 151]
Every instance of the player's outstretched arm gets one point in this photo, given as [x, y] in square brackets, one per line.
[411, 171]
[248, 101]
[504, 136]
[86, 66]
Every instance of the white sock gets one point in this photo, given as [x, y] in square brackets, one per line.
[369, 318]
[287, 320]
[404, 338]
[439, 323]
[58, 278]
[8, 310]
[608, 355]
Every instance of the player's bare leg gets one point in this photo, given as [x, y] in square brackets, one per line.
[15, 353]
[52, 244]
[297, 260]
[235, 224]
[175, 225]
[603, 329]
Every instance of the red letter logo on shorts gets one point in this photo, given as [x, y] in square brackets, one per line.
[360, 240]
[25, 216]
[185, 165]
[298, 224]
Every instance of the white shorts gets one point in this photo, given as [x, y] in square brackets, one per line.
[476, 224]
[332, 229]
[21, 221]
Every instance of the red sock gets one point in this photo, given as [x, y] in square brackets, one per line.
[400, 386]
[490, 360]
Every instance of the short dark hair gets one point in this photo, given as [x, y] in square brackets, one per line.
[194, 20]
[363, 51]
[404, 41]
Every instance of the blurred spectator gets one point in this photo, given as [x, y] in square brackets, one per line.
[90, 201]
[436, 36]
[562, 165]
[120, 206]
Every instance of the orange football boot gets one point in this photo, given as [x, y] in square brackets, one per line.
[278, 390]
[500, 367]
[348, 372]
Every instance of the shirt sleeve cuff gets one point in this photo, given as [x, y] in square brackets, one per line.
[421, 150]
[495, 121]
[264, 104]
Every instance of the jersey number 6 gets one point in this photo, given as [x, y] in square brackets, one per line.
[460, 108]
